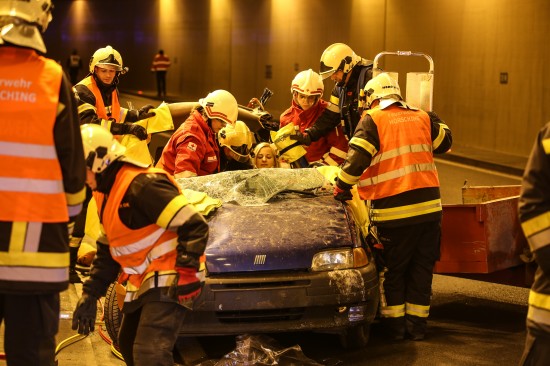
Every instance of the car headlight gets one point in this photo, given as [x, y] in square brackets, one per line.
[339, 259]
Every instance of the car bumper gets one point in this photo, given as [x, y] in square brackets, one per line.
[327, 301]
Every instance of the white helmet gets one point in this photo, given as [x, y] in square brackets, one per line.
[106, 56]
[382, 86]
[15, 15]
[337, 56]
[222, 105]
[100, 147]
[307, 82]
[238, 139]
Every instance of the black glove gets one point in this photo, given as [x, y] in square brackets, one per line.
[342, 191]
[143, 112]
[128, 128]
[84, 314]
[302, 138]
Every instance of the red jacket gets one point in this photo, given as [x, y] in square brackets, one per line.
[330, 149]
[191, 148]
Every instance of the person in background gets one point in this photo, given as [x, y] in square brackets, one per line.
[98, 103]
[307, 106]
[390, 159]
[534, 213]
[74, 65]
[265, 156]
[153, 238]
[160, 66]
[350, 73]
[42, 189]
[193, 149]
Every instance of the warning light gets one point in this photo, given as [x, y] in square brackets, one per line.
[140, 92]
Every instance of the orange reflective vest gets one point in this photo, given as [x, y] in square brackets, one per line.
[140, 252]
[405, 160]
[160, 63]
[101, 110]
[31, 182]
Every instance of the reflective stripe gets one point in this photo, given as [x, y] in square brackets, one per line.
[30, 274]
[394, 311]
[348, 178]
[74, 210]
[401, 150]
[76, 198]
[546, 146]
[417, 209]
[539, 300]
[440, 136]
[158, 251]
[539, 240]
[25, 237]
[34, 259]
[333, 107]
[409, 169]
[536, 224]
[164, 279]
[28, 150]
[421, 311]
[175, 213]
[45, 186]
[86, 107]
[335, 101]
[138, 245]
[328, 160]
[539, 316]
[363, 145]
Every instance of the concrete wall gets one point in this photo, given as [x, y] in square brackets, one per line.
[246, 45]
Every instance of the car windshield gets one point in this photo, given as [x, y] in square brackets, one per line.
[256, 186]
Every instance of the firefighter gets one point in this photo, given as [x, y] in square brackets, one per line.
[534, 211]
[193, 150]
[43, 180]
[235, 142]
[98, 102]
[391, 160]
[153, 237]
[307, 106]
[350, 73]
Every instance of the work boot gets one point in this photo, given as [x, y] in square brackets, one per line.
[73, 252]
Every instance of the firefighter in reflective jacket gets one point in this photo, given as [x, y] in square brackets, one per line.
[42, 183]
[534, 215]
[391, 161]
[307, 106]
[98, 96]
[154, 237]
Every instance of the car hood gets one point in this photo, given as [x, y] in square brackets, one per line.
[284, 234]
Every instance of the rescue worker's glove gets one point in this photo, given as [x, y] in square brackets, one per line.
[143, 112]
[302, 138]
[84, 314]
[186, 287]
[342, 191]
[128, 128]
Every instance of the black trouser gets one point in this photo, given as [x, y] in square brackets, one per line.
[147, 336]
[537, 348]
[80, 221]
[161, 83]
[409, 254]
[30, 325]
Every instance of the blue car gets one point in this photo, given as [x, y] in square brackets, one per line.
[282, 256]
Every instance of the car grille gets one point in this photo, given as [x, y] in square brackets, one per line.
[259, 285]
[260, 316]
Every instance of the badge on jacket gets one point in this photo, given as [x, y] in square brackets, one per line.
[192, 146]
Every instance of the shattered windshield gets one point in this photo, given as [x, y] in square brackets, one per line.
[256, 186]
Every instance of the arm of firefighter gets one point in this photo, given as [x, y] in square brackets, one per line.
[338, 143]
[137, 115]
[442, 139]
[103, 272]
[534, 200]
[162, 202]
[68, 144]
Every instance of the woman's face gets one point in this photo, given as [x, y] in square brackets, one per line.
[305, 101]
[265, 158]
